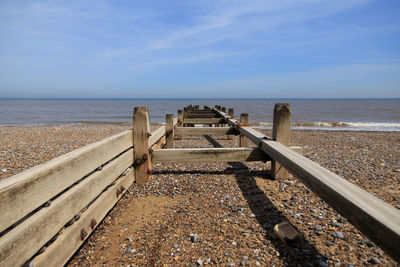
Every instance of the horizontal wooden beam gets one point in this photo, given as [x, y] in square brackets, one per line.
[23, 241]
[204, 121]
[208, 154]
[375, 218]
[156, 135]
[59, 252]
[24, 192]
[205, 130]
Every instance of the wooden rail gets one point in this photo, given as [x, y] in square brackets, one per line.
[374, 217]
[55, 206]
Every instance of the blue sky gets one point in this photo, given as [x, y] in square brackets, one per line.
[219, 48]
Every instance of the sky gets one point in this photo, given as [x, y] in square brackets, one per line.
[182, 48]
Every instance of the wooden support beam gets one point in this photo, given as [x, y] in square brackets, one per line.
[244, 120]
[26, 191]
[281, 133]
[375, 218]
[169, 130]
[65, 246]
[208, 155]
[180, 123]
[141, 131]
[203, 121]
[231, 112]
[205, 130]
[156, 135]
[23, 241]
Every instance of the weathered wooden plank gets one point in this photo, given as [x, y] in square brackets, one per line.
[201, 116]
[59, 252]
[208, 155]
[180, 123]
[169, 131]
[156, 135]
[160, 143]
[24, 192]
[244, 120]
[203, 121]
[141, 130]
[175, 122]
[205, 130]
[23, 241]
[375, 218]
[281, 133]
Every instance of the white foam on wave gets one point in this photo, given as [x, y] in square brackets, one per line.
[341, 126]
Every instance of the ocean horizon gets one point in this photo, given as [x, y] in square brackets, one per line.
[359, 114]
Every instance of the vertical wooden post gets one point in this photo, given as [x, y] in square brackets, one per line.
[281, 133]
[141, 133]
[231, 113]
[223, 109]
[169, 131]
[244, 119]
[180, 123]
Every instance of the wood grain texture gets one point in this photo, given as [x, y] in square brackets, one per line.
[209, 155]
[170, 131]
[204, 130]
[141, 130]
[23, 241]
[281, 133]
[24, 192]
[375, 218]
[156, 135]
[59, 252]
[203, 121]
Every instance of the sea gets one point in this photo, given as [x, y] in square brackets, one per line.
[307, 114]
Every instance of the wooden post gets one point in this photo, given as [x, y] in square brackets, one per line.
[180, 123]
[281, 133]
[244, 119]
[169, 131]
[223, 109]
[231, 113]
[141, 133]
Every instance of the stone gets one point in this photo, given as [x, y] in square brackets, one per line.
[318, 228]
[374, 260]
[329, 243]
[323, 264]
[176, 245]
[4, 170]
[370, 244]
[335, 224]
[130, 250]
[199, 262]
[194, 238]
[338, 235]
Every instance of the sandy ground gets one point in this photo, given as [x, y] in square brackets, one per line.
[231, 207]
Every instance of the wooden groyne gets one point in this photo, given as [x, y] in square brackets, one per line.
[47, 212]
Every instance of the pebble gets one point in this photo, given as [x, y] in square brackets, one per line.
[130, 250]
[176, 245]
[318, 228]
[374, 260]
[338, 235]
[194, 238]
[4, 170]
[335, 224]
[329, 243]
[323, 264]
[199, 262]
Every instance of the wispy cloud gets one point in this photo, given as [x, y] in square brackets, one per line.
[129, 41]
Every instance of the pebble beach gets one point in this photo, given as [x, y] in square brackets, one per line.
[195, 214]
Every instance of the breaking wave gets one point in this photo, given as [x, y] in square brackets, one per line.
[341, 125]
